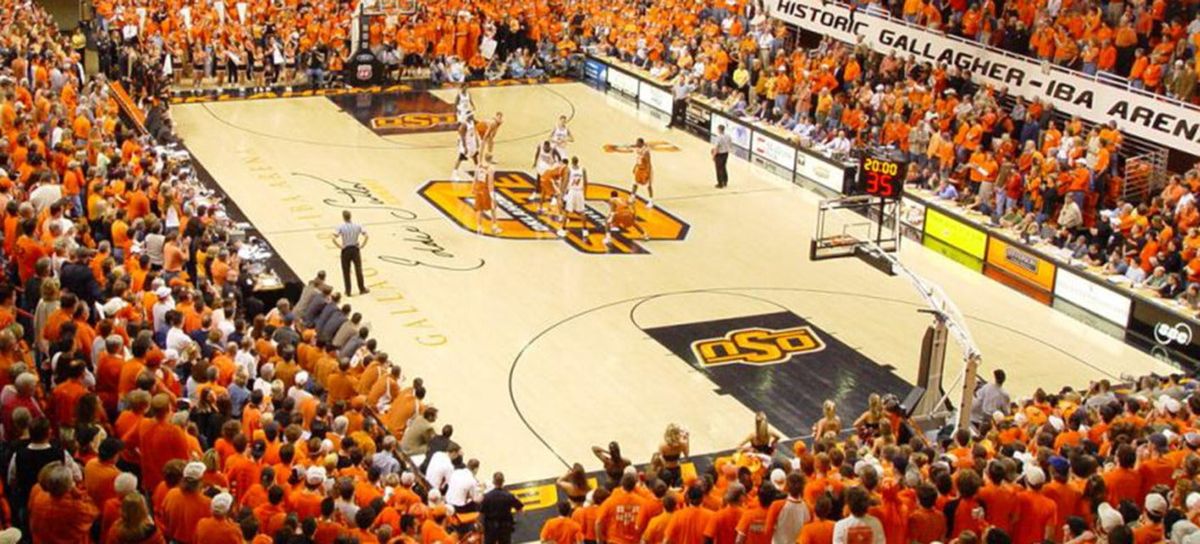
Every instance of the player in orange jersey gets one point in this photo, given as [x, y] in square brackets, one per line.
[550, 187]
[484, 191]
[621, 217]
[642, 172]
[487, 129]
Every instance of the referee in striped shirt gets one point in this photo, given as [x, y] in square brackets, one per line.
[351, 238]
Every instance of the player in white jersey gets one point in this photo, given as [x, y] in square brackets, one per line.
[468, 144]
[483, 189]
[464, 107]
[561, 136]
[543, 159]
[574, 201]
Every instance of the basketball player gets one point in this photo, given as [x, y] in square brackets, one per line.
[487, 132]
[464, 107]
[484, 190]
[642, 172]
[561, 136]
[468, 144]
[573, 198]
[621, 217]
[550, 185]
[543, 159]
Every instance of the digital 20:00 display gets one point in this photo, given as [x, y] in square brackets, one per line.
[881, 176]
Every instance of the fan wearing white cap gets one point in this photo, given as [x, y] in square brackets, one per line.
[1151, 527]
[1108, 518]
[306, 502]
[1037, 514]
[185, 505]
[219, 528]
[165, 304]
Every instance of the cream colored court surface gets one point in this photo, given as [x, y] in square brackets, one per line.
[534, 350]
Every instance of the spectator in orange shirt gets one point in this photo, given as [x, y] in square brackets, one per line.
[219, 529]
[1123, 481]
[820, 530]
[60, 512]
[562, 529]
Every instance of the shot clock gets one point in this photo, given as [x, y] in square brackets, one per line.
[881, 173]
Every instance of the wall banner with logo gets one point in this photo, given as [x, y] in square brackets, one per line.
[955, 232]
[622, 82]
[1104, 302]
[655, 97]
[595, 71]
[767, 147]
[1152, 118]
[740, 134]
[824, 172]
[1022, 266]
[1164, 334]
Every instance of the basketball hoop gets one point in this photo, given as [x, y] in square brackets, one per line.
[870, 219]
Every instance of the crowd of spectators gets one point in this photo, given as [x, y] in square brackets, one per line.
[1080, 466]
[1153, 43]
[148, 393]
[223, 43]
[1051, 179]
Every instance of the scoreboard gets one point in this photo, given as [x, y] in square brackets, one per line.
[881, 173]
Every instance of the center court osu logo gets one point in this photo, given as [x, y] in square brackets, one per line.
[756, 346]
[520, 219]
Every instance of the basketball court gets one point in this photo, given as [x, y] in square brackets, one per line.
[536, 347]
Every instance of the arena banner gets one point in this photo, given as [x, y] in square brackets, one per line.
[812, 167]
[1155, 119]
[595, 71]
[739, 133]
[1105, 302]
[775, 151]
[1164, 333]
[622, 82]
[1023, 265]
[655, 97]
[955, 232]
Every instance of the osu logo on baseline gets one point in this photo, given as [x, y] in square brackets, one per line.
[756, 346]
[415, 121]
[520, 218]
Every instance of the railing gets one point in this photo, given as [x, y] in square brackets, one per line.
[1144, 175]
[129, 106]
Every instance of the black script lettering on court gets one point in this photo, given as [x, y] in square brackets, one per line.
[423, 241]
[355, 195]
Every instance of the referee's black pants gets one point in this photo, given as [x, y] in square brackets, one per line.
[351, 254]
[722, 173]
